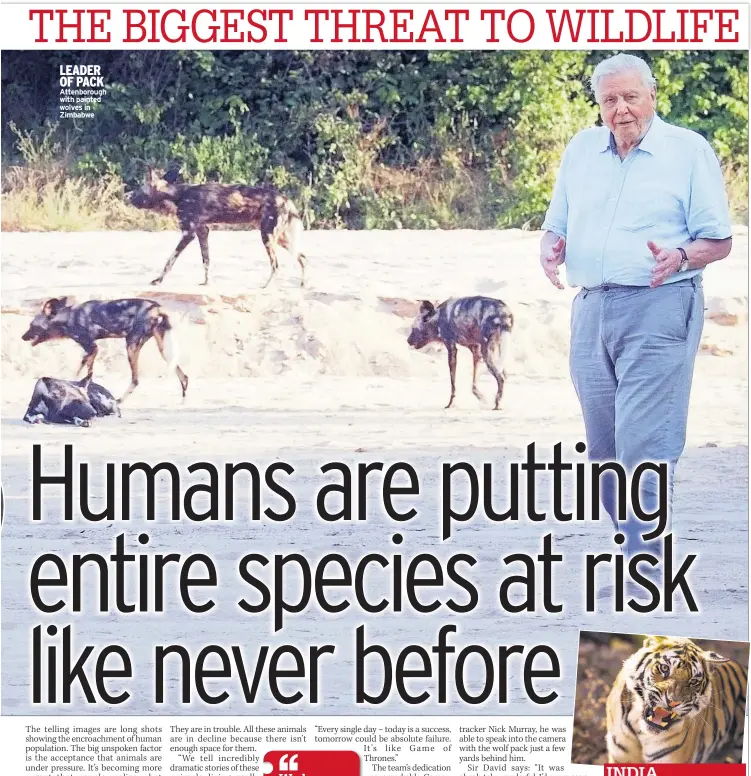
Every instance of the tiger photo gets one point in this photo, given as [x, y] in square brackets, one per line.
[670, 700]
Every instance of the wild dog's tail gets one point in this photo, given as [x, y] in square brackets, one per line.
[296, 232]
[293, 232]
[504, 347]
[167, 340]
[168, 347]
[503, 323]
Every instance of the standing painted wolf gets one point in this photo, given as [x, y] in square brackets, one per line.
[68, 402]
[134, 320]
[197, 206]
[479, 323]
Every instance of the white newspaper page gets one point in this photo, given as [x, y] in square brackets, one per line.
[374, 388]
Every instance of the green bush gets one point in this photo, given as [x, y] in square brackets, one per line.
[361, 139]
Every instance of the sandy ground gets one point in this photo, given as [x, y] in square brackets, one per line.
[324, 374]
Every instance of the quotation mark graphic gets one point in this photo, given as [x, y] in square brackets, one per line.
[311, 763]
[287, 763]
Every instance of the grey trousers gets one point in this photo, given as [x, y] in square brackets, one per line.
[632, 361]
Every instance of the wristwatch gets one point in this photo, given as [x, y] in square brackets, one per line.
[684, 260]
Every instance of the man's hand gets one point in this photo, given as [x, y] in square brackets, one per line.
[667, 262]
[552, 259]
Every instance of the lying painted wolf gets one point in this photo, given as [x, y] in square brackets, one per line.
[197, 206]
[134, 320]
[68, 402]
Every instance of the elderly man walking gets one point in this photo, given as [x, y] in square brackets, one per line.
[638, 210]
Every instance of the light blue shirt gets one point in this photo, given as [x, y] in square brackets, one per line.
[669, 190]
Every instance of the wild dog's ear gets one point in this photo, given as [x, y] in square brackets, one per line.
[172, 175]
[650, 642]
[426, 308]
[53, 306]
[152, 176]
[85, 382]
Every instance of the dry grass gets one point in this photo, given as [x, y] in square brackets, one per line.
[43, 200]
[35, 200]
[736, 184]
[42, 194]
[445, 194]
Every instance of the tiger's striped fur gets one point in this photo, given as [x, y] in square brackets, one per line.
[673, 702]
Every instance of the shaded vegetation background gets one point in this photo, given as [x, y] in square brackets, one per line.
[601, 657]
[358, 139]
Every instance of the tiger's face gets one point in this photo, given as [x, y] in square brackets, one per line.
[671, 676]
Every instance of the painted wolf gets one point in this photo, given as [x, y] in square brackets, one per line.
[198, 206]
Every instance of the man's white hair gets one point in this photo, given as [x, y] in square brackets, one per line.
[622, 63]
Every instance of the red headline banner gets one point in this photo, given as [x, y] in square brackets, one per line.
[390, 24]
[659, 769]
